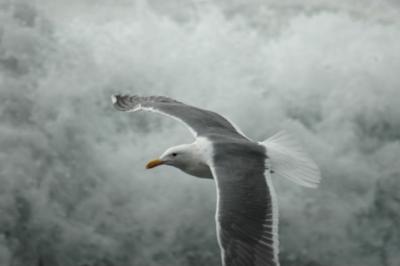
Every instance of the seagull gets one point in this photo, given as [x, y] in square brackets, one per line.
[247, 211]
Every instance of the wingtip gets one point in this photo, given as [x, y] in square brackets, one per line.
[116, 101]
[125, 102]
[114, 98]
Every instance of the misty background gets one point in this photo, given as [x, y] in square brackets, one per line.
[73, 189]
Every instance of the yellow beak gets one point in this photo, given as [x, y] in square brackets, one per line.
[154, 163]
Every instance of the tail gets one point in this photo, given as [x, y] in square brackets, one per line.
[287, 159]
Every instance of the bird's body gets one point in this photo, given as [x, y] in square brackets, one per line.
[247, 213]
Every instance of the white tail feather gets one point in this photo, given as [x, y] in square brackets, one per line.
[287, 159]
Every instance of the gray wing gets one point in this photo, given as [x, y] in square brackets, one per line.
[247, 214]
[201, 122]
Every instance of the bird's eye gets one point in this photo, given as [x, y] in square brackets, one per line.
[174, 154]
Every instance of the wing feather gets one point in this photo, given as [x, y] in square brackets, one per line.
[247, 222]
[200, 122]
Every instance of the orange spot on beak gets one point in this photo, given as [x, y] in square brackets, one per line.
[154, 163]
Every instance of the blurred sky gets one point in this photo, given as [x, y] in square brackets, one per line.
[74, 189]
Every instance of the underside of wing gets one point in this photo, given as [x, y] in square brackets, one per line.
[247, 214]
[201, 122]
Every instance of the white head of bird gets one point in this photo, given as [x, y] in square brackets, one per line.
[177, 156]
[186, 157]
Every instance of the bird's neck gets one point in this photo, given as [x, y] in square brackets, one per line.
[196, 163]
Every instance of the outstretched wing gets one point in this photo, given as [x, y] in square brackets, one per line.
[201, 122]
[247, 214]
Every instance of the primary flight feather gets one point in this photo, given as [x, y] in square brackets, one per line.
[247, 211]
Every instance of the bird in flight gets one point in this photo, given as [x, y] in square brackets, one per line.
[247, 211]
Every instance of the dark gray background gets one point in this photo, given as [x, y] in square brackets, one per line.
[73, 189]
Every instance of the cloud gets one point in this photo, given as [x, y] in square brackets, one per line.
[74, 190]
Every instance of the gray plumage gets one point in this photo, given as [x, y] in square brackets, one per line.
[201, 122]
[246, 214]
